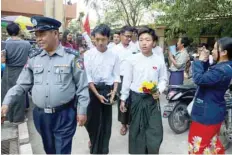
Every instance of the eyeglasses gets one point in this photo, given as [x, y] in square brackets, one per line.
[128, 36]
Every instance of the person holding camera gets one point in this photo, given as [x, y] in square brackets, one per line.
[209, 106]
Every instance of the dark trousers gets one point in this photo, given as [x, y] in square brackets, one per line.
[16, 111]
[99, 123]
[27, 101]
[57, 130]
[123, 117]
[146, 129]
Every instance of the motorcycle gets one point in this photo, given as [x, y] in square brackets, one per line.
[179, 97]
[226, 128]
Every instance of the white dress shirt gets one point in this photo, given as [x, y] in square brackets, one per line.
[136, 44]
[158, 51]
[123, 54]
[139, 69]
[102, 67]
[111, 45]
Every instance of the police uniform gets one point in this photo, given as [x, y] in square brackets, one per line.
[146, 130]
[59, 91]
[102, 70]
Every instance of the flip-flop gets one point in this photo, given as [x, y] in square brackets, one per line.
[89, 144]
[123, 131]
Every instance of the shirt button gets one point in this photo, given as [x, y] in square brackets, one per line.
[47, 83]
[48, 70]
[47, 96]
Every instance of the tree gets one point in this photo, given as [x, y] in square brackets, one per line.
[197, 17]
[75, 26]
[121, 12]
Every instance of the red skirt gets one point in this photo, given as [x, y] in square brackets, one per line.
[203, 139]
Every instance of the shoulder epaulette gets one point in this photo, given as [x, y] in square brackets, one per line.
[72, 51]
[34, 52]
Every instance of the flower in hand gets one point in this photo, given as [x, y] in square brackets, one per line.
[150, 88]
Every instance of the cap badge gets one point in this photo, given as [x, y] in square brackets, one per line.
[34, 22]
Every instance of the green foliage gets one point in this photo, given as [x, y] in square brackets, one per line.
[198, 17]
[75, 25]
[122, 12]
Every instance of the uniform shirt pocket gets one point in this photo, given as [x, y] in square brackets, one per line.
[61, 74]
[38, 75]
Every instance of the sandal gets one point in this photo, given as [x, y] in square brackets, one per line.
[89, 144]
[123, 130]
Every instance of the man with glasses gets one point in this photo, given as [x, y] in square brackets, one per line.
[102, 67]
[124, 50]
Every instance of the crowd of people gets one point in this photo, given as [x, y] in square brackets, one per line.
[77, 82]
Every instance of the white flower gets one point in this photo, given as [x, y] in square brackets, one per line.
[207, 151]
[190, 148]
[196, 143]
[213, 141]
[217, 150]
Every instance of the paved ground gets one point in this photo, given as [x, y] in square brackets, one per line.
[172, 143]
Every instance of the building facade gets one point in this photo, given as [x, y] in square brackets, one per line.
[58, 9]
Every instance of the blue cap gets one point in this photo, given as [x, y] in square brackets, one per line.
[44, 23]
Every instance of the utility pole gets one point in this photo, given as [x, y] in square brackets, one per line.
[60, 13]
[55, 9]
[49, 8]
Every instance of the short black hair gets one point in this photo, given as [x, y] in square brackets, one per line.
[102, 29]
[135, 30]
[185, 41]
[126, 28]
[117, 32]
[13, 29]
[226, 44]
[64, 36]
[148, 30]
[93, 32]
[203, 45]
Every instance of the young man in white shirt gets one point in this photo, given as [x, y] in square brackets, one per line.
[146, 129]
[134, 39]
[116, 40]
[157, 50]
[102, 68]
[124, 50]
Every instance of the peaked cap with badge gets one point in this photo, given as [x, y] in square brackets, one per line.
[44, 23]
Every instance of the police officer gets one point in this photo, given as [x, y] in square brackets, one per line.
[58, 84]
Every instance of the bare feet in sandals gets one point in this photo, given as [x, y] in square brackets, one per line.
[89, 145]
[123, 130]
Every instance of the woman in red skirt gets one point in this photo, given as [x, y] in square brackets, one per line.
[209, 106]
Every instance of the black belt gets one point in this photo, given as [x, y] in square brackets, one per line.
[143, 95]
[103, 86]
[58, 108]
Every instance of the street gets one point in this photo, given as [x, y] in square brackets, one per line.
[172, 143]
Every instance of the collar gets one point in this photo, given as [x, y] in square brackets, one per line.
[124, 46]
[59, 51]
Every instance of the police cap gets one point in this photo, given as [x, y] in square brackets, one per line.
[44, 23]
